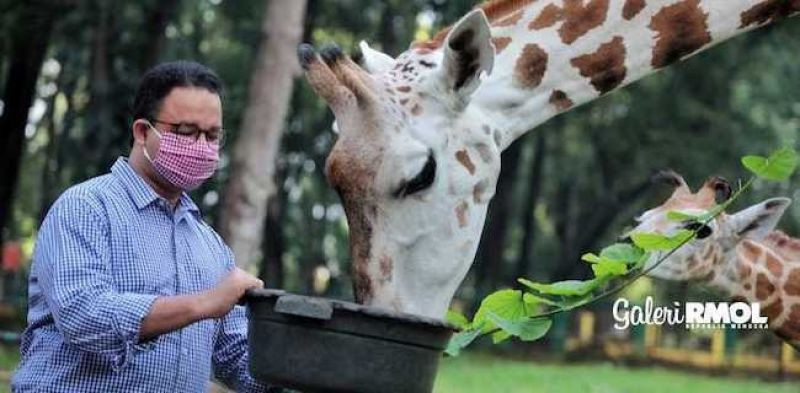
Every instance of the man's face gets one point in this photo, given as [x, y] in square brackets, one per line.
[186, 105]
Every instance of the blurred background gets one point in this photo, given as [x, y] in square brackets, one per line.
[68, 73]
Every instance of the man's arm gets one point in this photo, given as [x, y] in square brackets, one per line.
[71, 264]
[170, 313]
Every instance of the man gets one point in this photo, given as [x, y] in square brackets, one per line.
[130, 291]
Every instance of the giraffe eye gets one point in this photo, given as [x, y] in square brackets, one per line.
[701, 230]
[421, 181]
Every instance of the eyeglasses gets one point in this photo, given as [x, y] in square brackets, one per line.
[214, 135]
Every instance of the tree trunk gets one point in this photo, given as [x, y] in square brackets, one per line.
[274, 241]
[28, 47]
[254, 156]
[534, 184]
[157, 20]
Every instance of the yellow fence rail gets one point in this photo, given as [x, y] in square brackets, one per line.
[715, 357]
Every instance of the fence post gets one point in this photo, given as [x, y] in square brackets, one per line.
[586, 328]
[718, 347]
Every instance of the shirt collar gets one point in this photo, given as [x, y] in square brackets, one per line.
[141, 192]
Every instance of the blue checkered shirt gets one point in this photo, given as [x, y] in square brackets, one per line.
[106, 250]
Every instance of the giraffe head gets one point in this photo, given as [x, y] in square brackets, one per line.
[701, 257]
[414, 164]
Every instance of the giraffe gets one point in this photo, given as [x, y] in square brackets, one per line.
[741, 255]
[417, 156]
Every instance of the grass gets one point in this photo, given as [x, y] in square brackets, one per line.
[473, 373]
[484, 374]
[9, 357]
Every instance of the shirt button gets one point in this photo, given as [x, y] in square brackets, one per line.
[184, 351]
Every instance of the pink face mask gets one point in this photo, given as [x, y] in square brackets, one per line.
[183, 161]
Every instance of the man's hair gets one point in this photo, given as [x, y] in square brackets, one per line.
[159, 81]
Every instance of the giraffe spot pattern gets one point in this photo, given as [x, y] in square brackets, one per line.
[790, 329]
[693, 262]
[773, 310]
[497, 10]
[768, 11]
[774, 265]
[478, 190]
[632, 8]
[764, 287]
[744, 271]
[560, 100]
[579, 19]
[500, 43]
[531, 66]
[463, 157]
[792, 285]
[681, 29]
[484, 152]
[386, 264]
[605, 68]
[548, 17]
[749, 251]
[461, 213]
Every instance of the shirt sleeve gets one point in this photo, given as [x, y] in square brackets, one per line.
[230, 356]
[71, 264]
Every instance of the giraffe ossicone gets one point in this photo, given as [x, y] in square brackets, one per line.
[740, 255]
[419, 136]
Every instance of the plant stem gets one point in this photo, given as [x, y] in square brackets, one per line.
[721, 208]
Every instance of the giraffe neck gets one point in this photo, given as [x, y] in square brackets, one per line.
[757, 273]
[553, 55]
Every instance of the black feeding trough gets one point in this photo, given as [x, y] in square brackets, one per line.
[321, 345]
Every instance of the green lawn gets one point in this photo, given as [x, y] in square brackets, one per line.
[484, 374]
[477, 373]
[9, 357]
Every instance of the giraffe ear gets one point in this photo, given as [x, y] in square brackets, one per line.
[758, 220]
[468, 52]
[374, 61]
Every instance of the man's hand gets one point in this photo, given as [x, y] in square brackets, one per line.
[218, 301]
[170, 313]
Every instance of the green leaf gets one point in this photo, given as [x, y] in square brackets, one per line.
[657, 242]
[527, 329]
[609, 267]
[622, 252]
[674, 215]
[590, 257]
[461, 340]
[532, 301]
[564, 288]
[778, 166]
[457, 319]
[507, 303]
[640, 263]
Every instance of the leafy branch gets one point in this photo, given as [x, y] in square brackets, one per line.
[526, 314]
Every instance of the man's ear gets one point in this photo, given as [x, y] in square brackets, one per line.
[139, 130]
[468, 52]
[375, 62]
[759, 220]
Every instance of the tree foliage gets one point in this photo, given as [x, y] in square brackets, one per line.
[562, 194]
